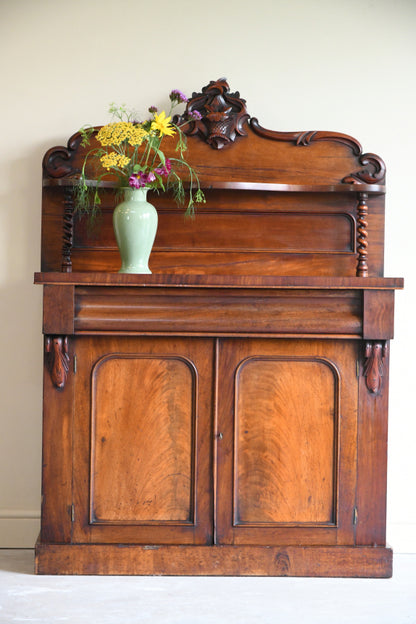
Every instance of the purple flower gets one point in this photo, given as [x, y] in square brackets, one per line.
[165, 169]
[152, 109]
[141, 179]
[177, 96]
[195, 115]
[136, 182]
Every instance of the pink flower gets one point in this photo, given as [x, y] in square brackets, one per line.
[165, 169]
[135, 182]
[141, 179]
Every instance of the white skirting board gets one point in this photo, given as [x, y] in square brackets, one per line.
[19, 528]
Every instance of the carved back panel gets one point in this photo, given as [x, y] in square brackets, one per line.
[278, 203]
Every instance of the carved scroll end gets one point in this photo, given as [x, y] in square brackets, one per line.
[373, 172]
[374, 354]
[58, 161]
[215, 115]
[58, 359]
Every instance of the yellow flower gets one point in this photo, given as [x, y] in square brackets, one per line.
[161, 123]
[114, 160]
[117, 132]
[123, 161]
[136, 135]
[113, 133]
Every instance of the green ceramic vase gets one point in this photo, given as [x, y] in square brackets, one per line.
[135, 225]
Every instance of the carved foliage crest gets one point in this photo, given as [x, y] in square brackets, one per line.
[223, 114]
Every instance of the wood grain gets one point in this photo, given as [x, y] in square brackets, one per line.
[335, 561]
[378, 315]
[286, 447]
[58, 309]
[143, 419]
[217, 312]
[286, 457]
[372, 460]
[220, 281]
[57, 466]
[262, 232]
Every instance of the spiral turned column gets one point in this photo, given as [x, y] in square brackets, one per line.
[362, 235]
[68, 228]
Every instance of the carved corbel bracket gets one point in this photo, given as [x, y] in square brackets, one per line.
[58, 359]
[374, 354]
[215, 114]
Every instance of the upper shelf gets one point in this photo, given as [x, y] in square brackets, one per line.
[272, 187]
[218, 281]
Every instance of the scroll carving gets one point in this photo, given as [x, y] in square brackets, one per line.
[57, 349]
[222, 115]
[374, 171]
[305, 138]
[57, 162]
[375, 354]
[362, 242]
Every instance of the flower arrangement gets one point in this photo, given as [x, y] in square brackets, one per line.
[131, 150]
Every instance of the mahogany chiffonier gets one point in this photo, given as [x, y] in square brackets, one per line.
[227, 414]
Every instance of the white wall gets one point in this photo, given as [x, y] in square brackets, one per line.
[344, 65]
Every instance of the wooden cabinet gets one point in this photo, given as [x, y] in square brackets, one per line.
[228, 413]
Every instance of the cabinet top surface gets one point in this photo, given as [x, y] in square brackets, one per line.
[218, 281]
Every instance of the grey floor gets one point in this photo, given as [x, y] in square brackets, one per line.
[25, 597]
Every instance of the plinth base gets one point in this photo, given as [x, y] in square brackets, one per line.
[111, 559]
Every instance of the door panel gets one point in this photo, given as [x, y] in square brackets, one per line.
[287, 421]
[144, 416]
[287, 440]
[142, 443]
